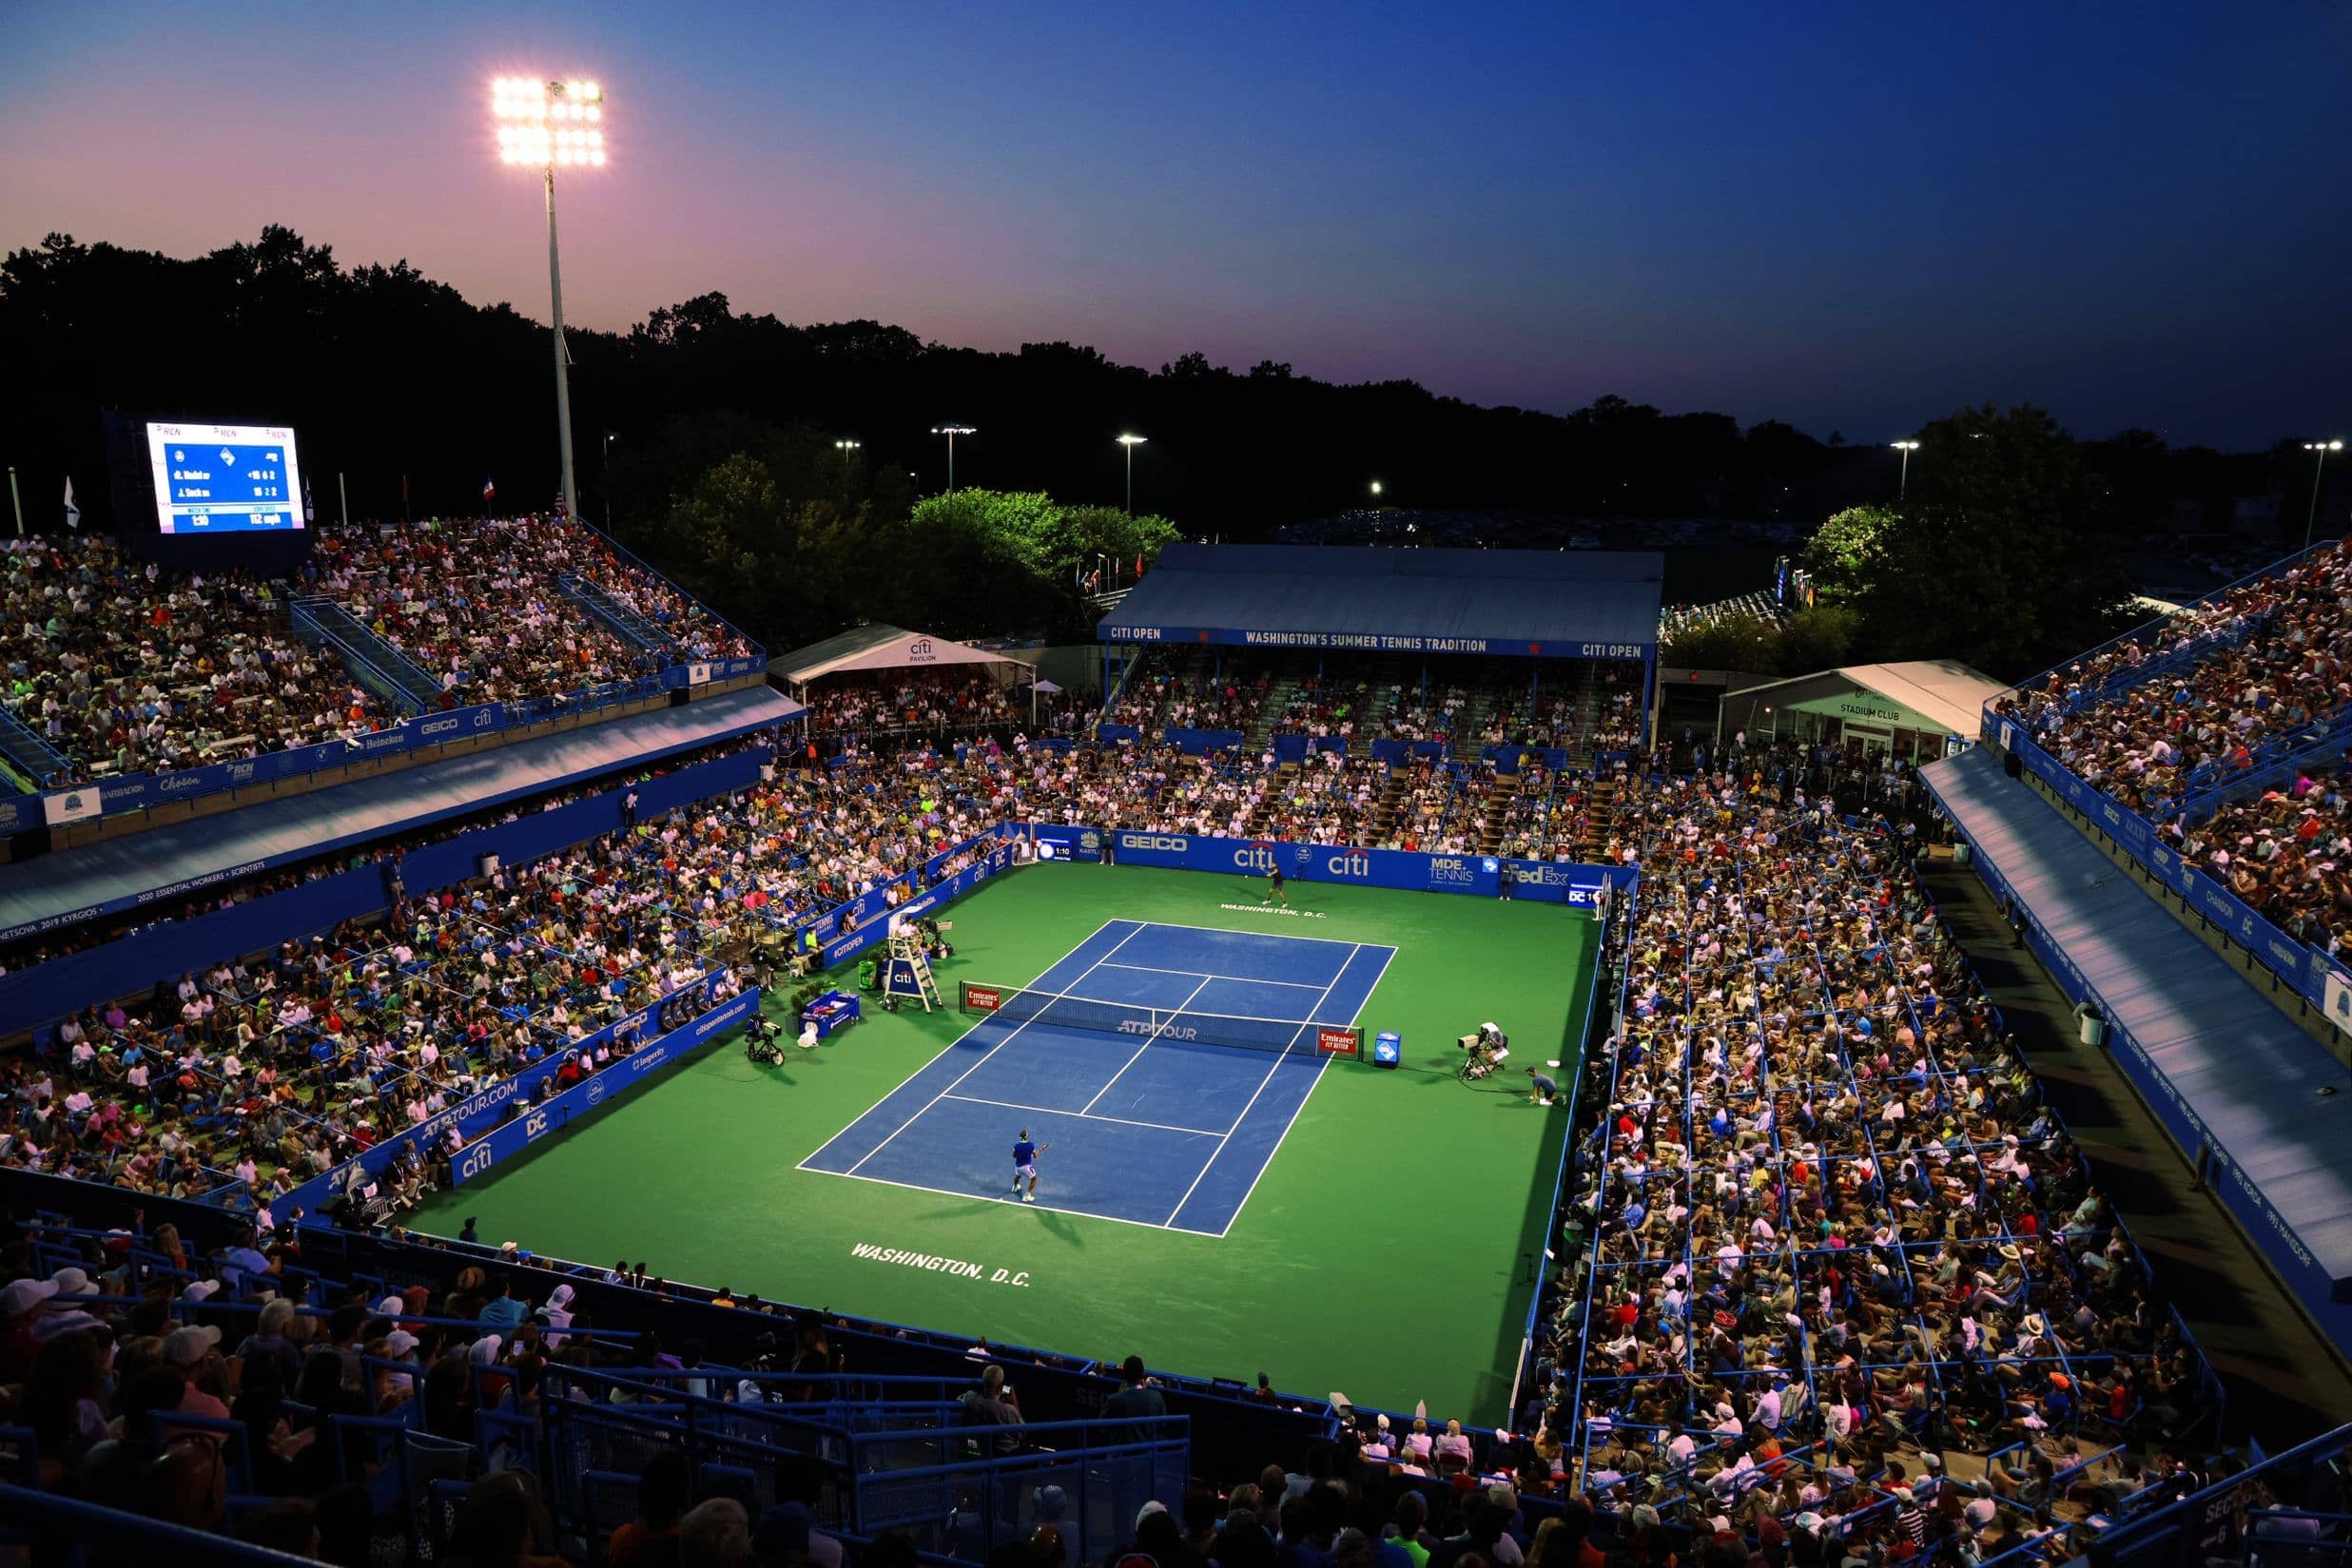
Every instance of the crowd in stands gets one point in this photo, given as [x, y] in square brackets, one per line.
[123, 668]
[1155, 697]
[2192, 705]
[928, 701]
[2285, 853]
[2199, 694]
[1827, 1224]
[478, 606]
[1325, 707]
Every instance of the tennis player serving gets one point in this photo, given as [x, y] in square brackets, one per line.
[1026, 1163]
[1273, 887]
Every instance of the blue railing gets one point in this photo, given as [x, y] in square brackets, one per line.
[616, 617]
[387, 671]
[2134, 676]
[2306, 969]
[37, 764]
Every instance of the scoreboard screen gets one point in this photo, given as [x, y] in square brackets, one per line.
[225, 478]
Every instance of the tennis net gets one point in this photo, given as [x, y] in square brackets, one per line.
[1025, 1004]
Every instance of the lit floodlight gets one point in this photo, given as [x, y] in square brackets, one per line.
[546, 126]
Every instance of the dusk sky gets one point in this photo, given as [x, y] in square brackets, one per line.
[1849, 217]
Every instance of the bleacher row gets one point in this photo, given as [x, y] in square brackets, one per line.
[1584, 710]
[115, 666]
[1822, 1228]
[2226, 726]
[1836, 1257]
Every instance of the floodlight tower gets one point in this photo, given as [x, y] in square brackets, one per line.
[951, 432]
[1131, 442]
[541, 125]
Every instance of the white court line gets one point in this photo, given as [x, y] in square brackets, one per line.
[1049, 1110]
[981, 1197]
[1271, 1071]
[1198, 973]
[983, 1060]
[1301, 1110]
[1275, 936]
[1147, 1042]
[919, 1071]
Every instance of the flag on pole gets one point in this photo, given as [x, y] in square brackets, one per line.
[73, 513]
[490, 490]
[1138, 566]
[308, 516]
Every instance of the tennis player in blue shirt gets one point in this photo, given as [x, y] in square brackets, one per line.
[1026, 1163]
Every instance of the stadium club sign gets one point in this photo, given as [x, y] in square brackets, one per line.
[1377, 642]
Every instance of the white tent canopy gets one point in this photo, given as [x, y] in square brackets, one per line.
[1922, 694]
[877, 647]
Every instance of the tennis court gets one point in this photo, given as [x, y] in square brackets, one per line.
[1161, 1065]
[1363, 1230]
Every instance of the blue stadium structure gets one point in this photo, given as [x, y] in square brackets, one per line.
[1825, 1277]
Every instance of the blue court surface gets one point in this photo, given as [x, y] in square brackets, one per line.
[1143, 1128]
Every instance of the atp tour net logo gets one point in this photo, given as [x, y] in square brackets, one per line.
[1163, 1031]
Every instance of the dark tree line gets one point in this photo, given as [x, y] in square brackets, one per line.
[722, 429]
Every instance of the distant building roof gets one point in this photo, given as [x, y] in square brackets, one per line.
[875, 645]
[1550, 603]
[1930, 694]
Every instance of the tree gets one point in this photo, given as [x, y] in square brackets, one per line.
[2007, 555]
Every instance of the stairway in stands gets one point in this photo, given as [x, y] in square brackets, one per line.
[1599, 821]
[1494, 810]
[1278, 698]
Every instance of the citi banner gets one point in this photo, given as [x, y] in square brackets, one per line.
[508, 1139]
[1480, 876]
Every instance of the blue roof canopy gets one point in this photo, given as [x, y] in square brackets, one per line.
[1539, 603]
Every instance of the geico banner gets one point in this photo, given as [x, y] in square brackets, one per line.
[509, 1138]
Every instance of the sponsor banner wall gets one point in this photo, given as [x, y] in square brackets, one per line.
[33, 997]
[1477, 875]
[495, 1106]
[18, 813]
[509, 1138]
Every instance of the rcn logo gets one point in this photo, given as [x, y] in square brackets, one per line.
[478, 1159]
[1353, 864]
[1153, 840]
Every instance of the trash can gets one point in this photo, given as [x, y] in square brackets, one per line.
[1963, 853]
[2093, 1022]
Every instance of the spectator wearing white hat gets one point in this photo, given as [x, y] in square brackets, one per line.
[64, 1316]
[21, 1304]
[194, 1353]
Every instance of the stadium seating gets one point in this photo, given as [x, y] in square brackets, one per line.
[514, 609]
[1818, 1220]
[1821, 1223]
[117, 667]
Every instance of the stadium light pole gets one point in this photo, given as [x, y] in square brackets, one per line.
[1902, 486]
[1131, 442]
[2311, 518]
[541, 125]
[609, 437]
[951, 432]
[846, 446]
